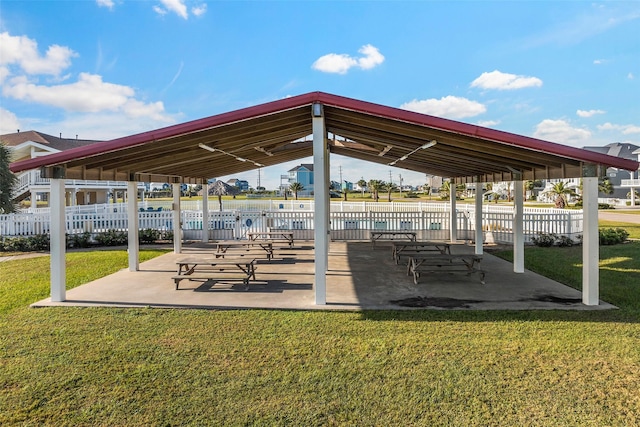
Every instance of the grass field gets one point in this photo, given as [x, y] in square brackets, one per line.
[116, 367]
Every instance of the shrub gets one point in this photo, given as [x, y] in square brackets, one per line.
[39, 242]
[79, 240]
[148, 235]
[112, 238]
[565, 242]
[544, 239]
[612, 236]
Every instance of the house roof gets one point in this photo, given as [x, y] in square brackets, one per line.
[14, 139]
[277, 132]
[46, 142]
[307, 166]
[617, 149]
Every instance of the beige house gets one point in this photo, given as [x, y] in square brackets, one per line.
[33, 187]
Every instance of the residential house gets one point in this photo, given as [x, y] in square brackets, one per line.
[241, 184]
[616, 176]
[31, 144]
[304, 175]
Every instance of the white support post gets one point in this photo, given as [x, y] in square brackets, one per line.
[34, 201]
[177, 226]
[327, 199]
[590, 242]
[134, 223]
[453, 215]
[57, 243]
[478, 212]
[205, 213]
[518, 228]
[321, 190]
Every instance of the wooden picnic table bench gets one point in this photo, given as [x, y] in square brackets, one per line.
[209, 268]
[410, 249]
[272, 236]
[436, 263]
[391, 235]
[247, 247]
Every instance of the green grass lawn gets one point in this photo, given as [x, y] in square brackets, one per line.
[101, 366]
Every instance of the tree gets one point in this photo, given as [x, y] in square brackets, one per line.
[389, 186]
[606, 187]
[295, 187]
[220, 189]
[362, 183]
[560, 191]
[375, 185]
[445, 190]
[529, 185]
[7, 181]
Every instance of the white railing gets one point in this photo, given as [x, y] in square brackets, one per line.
[344, 225]
[630, 183]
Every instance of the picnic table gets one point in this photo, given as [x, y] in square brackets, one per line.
[223, 247]
[272, 236]
[411, 249]
[210, 268]
[391, 235]
[436, 263]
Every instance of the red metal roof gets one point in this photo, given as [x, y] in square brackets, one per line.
[272, 133]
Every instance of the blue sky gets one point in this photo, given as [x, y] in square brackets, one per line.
[564, 71]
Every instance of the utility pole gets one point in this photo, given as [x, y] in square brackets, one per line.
[258, 179]
[340, 169]
[400, 175]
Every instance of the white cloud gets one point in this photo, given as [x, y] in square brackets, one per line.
[589, 113]
[23, 52]
[9, 123]
[104, 125]
[176, 6]
[87, 95]
[341, 63]
[630, 76]
[452, 107]
[504, 81]
[599, 61]
[488, 123]
[105, 3]
[160, 11]
[372, 57]
[625, 129]
[199, 10]
[561, 131]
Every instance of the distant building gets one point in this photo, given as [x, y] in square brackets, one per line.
[625, 151]
[241, 184]
[304, 175]
[30, 144]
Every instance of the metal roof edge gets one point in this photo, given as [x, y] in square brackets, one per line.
[169, 131]
[467, 129]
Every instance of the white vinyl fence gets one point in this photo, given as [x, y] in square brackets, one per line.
[348, 220]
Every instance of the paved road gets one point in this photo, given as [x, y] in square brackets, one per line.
[620, 217]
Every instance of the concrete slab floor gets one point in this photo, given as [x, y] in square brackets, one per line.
[359, 278]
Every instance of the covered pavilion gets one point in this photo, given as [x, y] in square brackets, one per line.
[276, 132]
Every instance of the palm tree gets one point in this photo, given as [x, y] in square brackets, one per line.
[375, 185]
[389, 186]
[7, 182]
[220, 189]
[560, 191]
[295, 187]
[362, 183]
